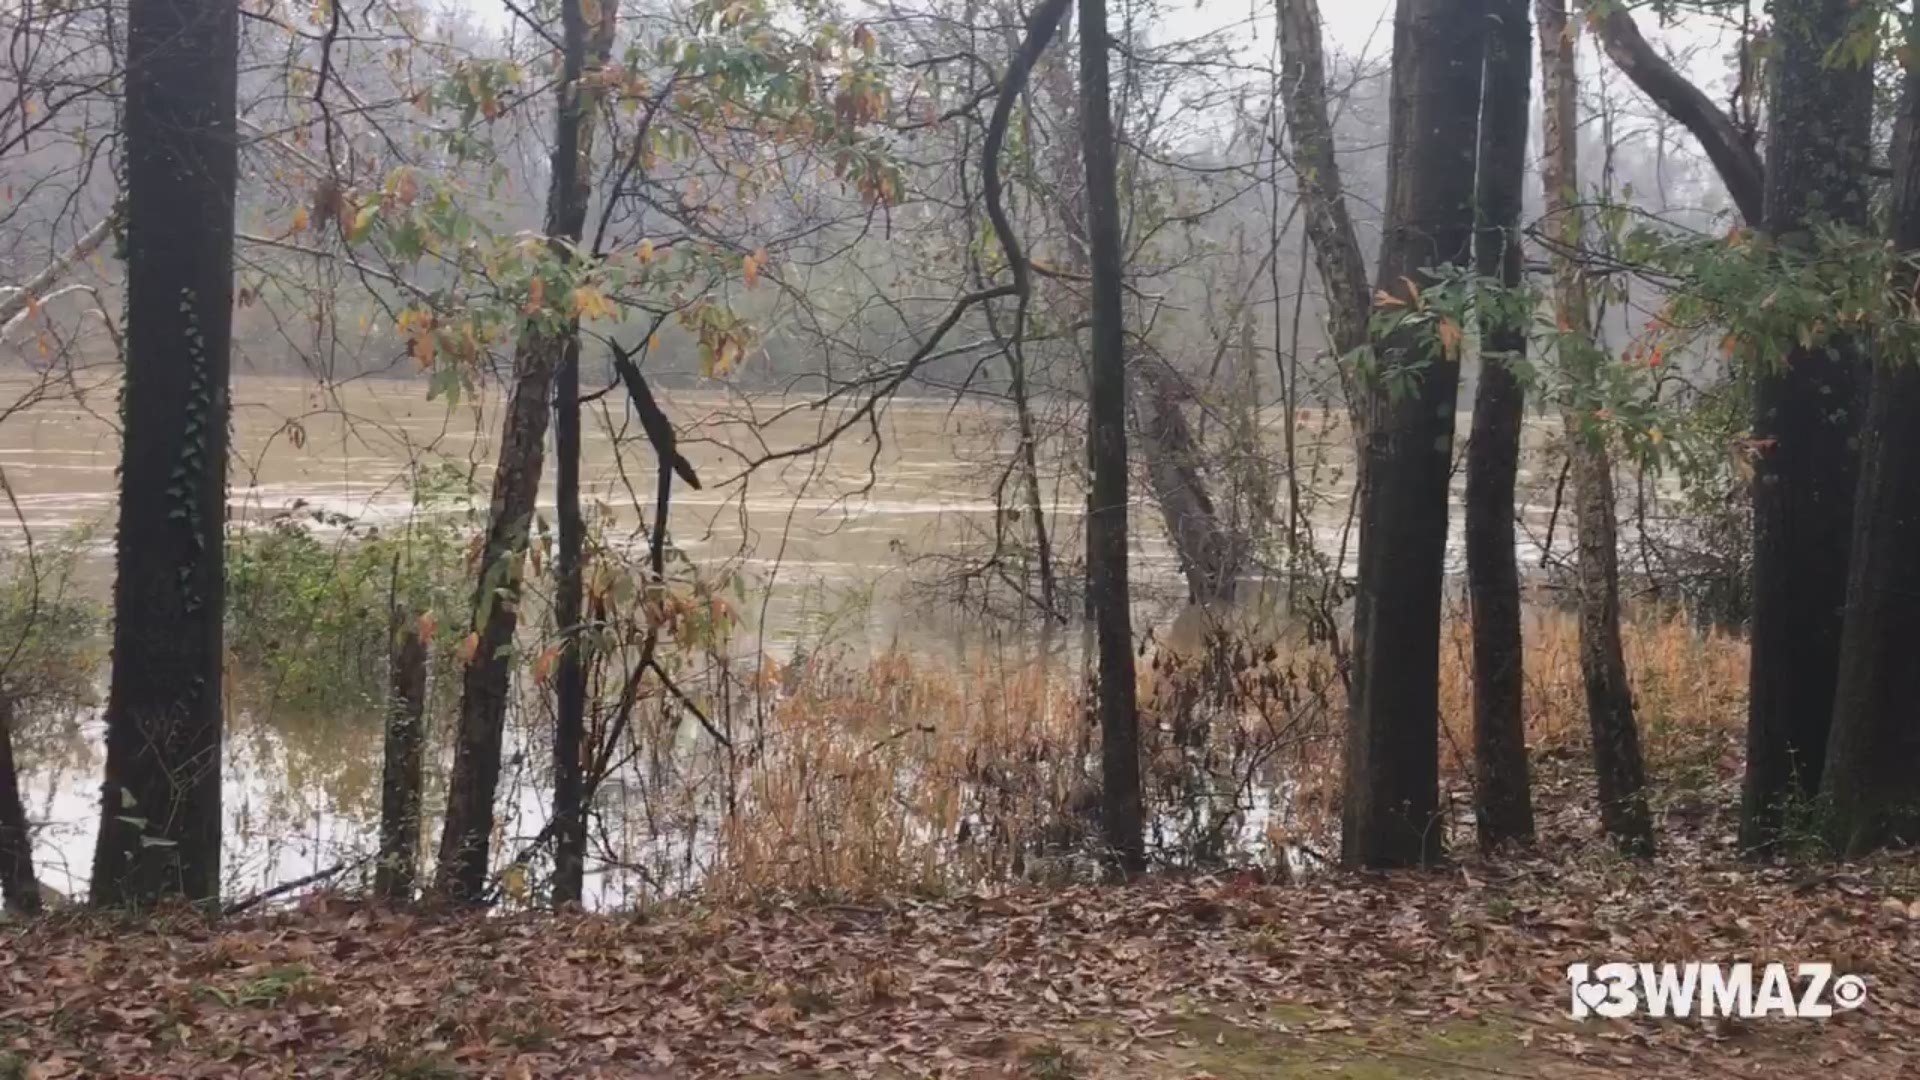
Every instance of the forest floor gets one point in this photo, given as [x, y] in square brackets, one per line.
[1452, 973]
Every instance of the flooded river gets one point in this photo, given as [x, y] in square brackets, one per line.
[832, 546]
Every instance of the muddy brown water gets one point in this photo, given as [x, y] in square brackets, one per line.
[834, 546]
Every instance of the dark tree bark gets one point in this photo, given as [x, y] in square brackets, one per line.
[1806, 419]
[1872, 769]
[1619, 770]
[1503, 807]
[1210, 555]
[160, 800]
[1726, 146]
[570, 675]
[1390, 813]
[397, 874]
[1040, 31]
[1336, 248]
[1121, 816]
[466, 841]
[19, 890]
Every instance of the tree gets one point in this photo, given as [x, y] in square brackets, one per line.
[1618, 768]
[1806, 418]
[1210, 555]
[570, 677]
[1121, 814]
[1040, 32]
[1390, 812]
[1727, 143]
[403, 754]
[1503, 807]
[544, 341]
[19, 889]
[1871, 783]
[1806, 412]
[161, 811]
[1336, 248]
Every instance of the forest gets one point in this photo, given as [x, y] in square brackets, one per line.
[912, 538]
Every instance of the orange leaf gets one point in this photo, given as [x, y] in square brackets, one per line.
[543, 664]
[468, 646]
[1450, 335]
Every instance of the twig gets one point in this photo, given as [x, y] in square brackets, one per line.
[254, 901]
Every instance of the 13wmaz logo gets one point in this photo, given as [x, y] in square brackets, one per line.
[1617, 990]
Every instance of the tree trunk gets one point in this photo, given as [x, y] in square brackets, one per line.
[1316, 168]
[1209, 554]
[160, 807]
[466, 841]
[404, 751]
[1503, 805]
[1872, 785]
[1806, 418]
[570, 676]
[1725, 144]
[18, 888]
[1040, 32]
[1618, 767]
[1391, 809]
[1121, 817]
[1616, 739]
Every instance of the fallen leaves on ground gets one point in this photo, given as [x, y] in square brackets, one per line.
[968, 985]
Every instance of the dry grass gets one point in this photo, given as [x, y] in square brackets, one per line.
[905, 775]
[1685, 681]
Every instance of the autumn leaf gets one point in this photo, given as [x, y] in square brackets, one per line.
[363, 222]
[590, 304]
[300, 219]
[422, 347]
[544, 663]
[536, 297]
[1450, 337]
[469, 645]
[425, 627]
